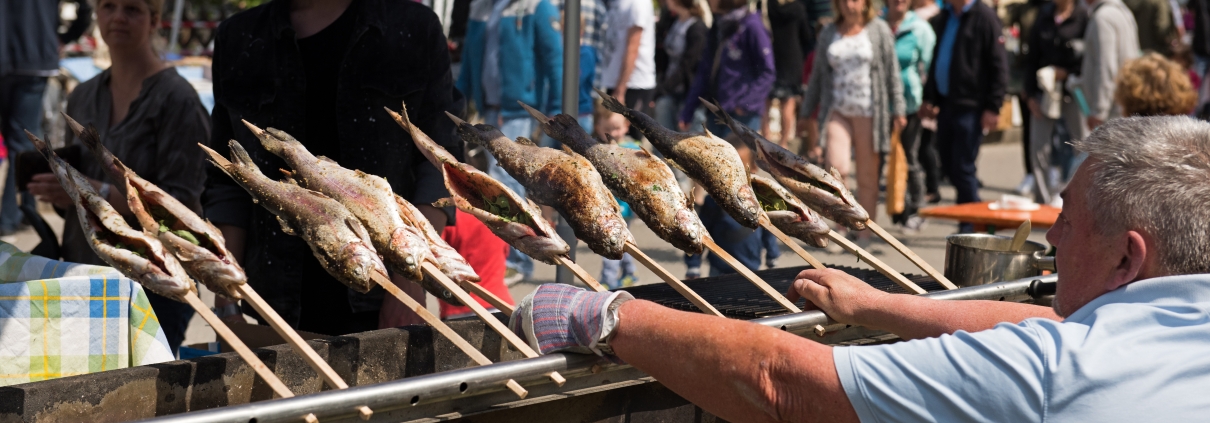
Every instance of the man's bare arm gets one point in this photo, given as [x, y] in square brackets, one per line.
[738, 371]
[849, 300]
[634, 37]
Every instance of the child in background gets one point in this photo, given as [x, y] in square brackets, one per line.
[618, 273]
[745, 244]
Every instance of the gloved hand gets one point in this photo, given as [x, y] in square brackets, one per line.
[560, 317]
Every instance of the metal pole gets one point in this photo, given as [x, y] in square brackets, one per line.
[175, 36]
[571, 105]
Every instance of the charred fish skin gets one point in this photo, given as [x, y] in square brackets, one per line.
[469, 188]
[335, 236]
[820, 190]
[208, 261]
[105, 228]
[638, 178]
[368, 197]
[566, 182]
[704, 157]
[797, 220]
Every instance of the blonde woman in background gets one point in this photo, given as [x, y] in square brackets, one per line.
[150, 118]
[856, 86]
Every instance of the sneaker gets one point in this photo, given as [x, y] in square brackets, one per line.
[1026, 187]
[914, 224]
[512, 277]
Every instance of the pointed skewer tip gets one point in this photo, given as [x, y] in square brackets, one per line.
[255, 130]
[456, 119]
[533, 112]
[76, 127]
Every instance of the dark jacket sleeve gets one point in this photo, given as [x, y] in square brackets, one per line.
[223, 201]
[931, 95]
[700, 80]
[997, 58]
[81, 24]
[431, 119]
[1031, 63]
[182, 126]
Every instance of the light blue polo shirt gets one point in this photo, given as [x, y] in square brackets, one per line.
[1138, 353]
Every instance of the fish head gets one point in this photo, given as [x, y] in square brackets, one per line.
[687, 235]
[408, 251]
[219, 274]
[361, 262]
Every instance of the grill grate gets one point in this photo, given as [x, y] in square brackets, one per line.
[736, 297]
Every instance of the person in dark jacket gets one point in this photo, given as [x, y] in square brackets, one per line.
[290, 66]
[793, 38]
[1200, 9]
[965, 89]
[1057, 43]
[680, 49]
[736, 70]
[29, 53]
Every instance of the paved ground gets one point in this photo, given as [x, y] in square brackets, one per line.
[999, 167]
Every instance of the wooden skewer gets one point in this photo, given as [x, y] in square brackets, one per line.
[676, 284]
[907, 252]
[877, 264]
[236, 344]
[790, 242]
[751, 277]
[441, 327]
[308, 354]
[515, 341]
[581, 273]
[488, 296]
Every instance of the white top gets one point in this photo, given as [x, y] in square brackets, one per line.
[1139, 353]
[625, 15]
[852, 90]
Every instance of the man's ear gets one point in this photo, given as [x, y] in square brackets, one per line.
[1132, 262]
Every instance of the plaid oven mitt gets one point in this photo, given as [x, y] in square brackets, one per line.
[560, 317]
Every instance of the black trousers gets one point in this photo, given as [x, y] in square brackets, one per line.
[914, 196]
[959, 134]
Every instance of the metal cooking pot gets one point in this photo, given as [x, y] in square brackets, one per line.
[979, 259]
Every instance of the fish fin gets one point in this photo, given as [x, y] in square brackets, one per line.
[526, 141]
[644, 149]
[325, 159]
[673, 165]
[707, 131]
[598, 139]
[835, 173]
[357, 228]
[285, 227]
[288, 177]
[444, 202]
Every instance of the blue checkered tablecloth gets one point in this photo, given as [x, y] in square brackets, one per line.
[61, 319]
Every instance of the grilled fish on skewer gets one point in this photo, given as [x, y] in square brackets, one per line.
[335, 236]
[368, 197]
[789, 214]
[642, 180]
[821, 191]
[136, 255]
[710, 161]
[514, 219]
[447, 258]
[198, 245]
[554, 178]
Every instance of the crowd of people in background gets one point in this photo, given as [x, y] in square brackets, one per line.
[836, 79]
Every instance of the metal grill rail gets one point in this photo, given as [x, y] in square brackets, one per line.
[737, 298]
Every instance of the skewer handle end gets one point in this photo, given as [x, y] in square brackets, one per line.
[516, 388]
[558, 378]
[364, 413]
[310, 418]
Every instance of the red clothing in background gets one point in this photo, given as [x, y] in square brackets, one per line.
[485, 252]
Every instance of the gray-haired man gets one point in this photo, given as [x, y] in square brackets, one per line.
[1126, 340]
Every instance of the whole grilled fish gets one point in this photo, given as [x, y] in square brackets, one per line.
[788, 214]
[138, 256]
[447, 258]
[821, 191]
[637, 177]
[514, 219]
[368, 197]
[335, 236]
[198, 245]
[710, 161]
[567, 182]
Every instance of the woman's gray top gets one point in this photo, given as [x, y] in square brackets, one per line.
[884, 73]
[158, 140]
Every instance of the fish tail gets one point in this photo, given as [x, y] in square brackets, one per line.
[612, 103]
[92, 139]
[240, 157]
[722, 115]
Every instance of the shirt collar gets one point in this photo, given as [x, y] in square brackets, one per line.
[967, 8]
[371, 14]
[1181, 289]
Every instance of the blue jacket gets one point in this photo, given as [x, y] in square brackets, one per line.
[531, 53]
[914, 42]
